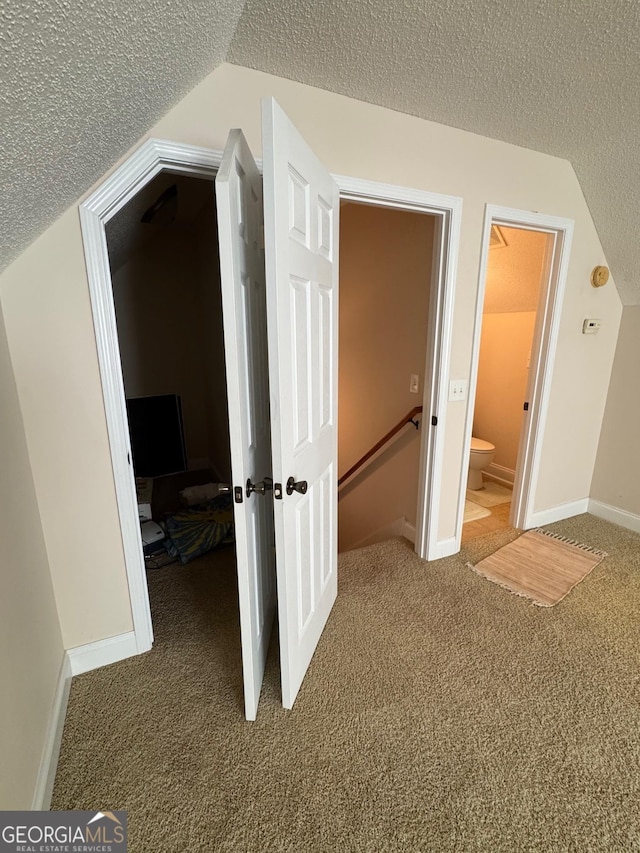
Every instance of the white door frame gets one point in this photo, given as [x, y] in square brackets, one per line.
[543, 350]
[155, 156]
[120, 187]
[447, 211]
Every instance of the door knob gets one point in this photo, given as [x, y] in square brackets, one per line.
[260, 488]
[293, 486]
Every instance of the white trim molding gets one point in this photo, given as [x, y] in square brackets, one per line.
[447, 548]
[102, 653]
[500, 474]
[558, 513]
[615, 515]
[542, 359]
[51, 748]
[119, 188]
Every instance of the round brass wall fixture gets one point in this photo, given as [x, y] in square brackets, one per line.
[599, 276]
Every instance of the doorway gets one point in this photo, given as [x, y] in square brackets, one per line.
[156, 156]
[165, 275]
[523, 273]
[386, 263]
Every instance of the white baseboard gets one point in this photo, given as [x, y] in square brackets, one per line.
[103, 652]
[500, 474]
[558, 513]
[409, 531]
[615, 515]
[445, 548]
[51, 749]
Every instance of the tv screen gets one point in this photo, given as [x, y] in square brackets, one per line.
[157, 436]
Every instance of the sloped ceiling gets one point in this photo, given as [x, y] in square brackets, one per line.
[87, 79]
[81, 81]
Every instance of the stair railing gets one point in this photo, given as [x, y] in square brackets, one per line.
[409, 418]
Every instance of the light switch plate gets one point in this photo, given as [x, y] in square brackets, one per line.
[590, 326]
[414, 383]
[457, 389]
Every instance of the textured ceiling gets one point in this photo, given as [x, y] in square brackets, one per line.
[82, 80]
[559, 76]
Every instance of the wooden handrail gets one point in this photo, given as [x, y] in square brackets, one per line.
[407, 419]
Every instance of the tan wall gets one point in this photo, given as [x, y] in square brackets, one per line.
[207, 258]
[512, 290]
[49, 327]
[31, 651]
[168, 310]
[616, 479]
[385, 271]
[161, 331]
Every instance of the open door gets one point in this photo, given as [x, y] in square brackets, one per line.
[301, 244]
[240, 227]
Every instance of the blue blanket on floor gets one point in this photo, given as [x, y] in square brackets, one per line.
[198, 529]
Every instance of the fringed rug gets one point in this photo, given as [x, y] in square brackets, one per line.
[540, 565]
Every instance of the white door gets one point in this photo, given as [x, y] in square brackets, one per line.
[301, 245]
[240, 229]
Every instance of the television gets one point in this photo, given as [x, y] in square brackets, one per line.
[157, 435]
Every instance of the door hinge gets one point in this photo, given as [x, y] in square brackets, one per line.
[434, 420]
[526, 407]
[277, 491]
[237, 494]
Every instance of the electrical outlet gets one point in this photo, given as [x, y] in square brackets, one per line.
[414, 383]
[457, 389]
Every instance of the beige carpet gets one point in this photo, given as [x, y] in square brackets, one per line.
[438, 714]
[491, 494]
[540, 565]
[473, 512]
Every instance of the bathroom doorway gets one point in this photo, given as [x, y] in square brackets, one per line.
[524, 263]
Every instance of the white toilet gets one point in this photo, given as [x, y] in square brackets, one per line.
[481, 457]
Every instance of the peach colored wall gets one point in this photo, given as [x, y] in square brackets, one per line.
[616, 479]
[502, 381]
[45, 299]
[31, 650]
[385, 270]
[512, 290]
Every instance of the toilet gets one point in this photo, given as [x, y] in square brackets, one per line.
[481, 457]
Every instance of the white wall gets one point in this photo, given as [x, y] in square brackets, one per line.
[616, 479]
[31, 651]
[45, 298]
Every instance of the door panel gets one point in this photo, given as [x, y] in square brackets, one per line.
[301, 241]
[240, 227]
